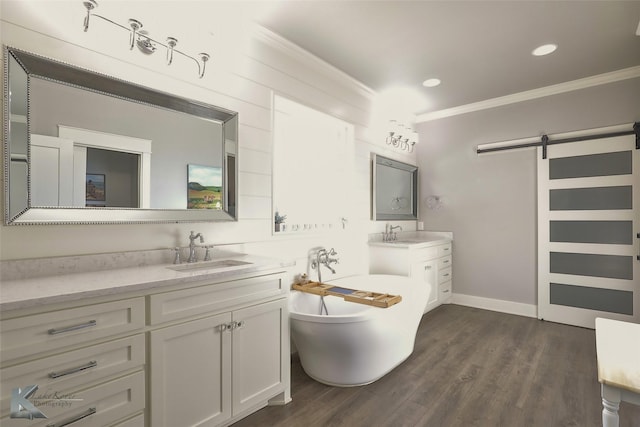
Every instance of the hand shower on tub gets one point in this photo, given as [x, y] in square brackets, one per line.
[324, 257]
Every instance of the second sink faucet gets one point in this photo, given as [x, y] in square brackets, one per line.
[192, 246]
[389, 235]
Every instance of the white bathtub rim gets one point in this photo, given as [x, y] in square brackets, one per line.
[365, 314]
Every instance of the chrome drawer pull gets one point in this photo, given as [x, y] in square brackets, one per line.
[72, 328]
[445, 291]
[91, 364]
[445, 275]
[72, 420]
[445, 261]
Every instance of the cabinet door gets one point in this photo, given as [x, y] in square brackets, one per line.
[260, 354]
[428, 272]
[190, 379]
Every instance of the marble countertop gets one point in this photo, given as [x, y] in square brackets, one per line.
[30, 292]
[417, 239]
[618, 350]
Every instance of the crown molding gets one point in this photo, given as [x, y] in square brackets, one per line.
[584, 83]
[294, 51]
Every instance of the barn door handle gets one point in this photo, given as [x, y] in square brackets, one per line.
[638, 256]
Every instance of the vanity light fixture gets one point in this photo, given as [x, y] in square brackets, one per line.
[401, 136]
[145, 43]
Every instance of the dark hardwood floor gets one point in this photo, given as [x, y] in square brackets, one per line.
[470, 367]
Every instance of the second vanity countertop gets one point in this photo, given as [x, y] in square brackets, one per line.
[26, 293]
[415, 239]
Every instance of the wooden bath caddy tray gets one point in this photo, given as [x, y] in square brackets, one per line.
[352, 295]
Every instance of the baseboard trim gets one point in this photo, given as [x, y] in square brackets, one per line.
[503, 306]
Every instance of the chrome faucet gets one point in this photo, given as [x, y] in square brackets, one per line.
[192, 246]
[389, 235]
[324, 257]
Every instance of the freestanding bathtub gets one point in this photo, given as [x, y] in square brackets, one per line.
[357, 344]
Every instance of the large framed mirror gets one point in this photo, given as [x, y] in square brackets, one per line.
[85, 148]
[394, 190]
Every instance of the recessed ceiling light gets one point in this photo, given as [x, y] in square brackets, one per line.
[545, 49]
[431, 82]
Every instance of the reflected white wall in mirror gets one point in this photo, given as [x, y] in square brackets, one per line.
[176, 138]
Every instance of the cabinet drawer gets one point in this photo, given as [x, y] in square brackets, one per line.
[444, 250]
[137, 421]
[74, 368]
[444, 291]
[100, 405]
[29, 335]
[209, 299]
[424, 254]
[444, 262]
[444, 275]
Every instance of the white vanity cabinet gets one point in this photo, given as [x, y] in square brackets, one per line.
[431, 264]
[199, 352]
[214, 369]
[93, 356]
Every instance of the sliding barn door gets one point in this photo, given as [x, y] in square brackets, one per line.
[588, 220]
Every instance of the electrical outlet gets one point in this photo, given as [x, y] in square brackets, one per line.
[420, 225]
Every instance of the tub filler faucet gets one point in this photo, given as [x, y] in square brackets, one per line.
[192, 246]
[324, 257]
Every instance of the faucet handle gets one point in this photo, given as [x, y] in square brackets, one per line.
[177, 259]
[207, 254]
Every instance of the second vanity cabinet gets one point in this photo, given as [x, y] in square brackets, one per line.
[431, 264]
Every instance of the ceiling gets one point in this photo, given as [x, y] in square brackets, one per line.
[479, 49]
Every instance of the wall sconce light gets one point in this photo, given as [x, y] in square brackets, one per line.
[434, 202]
[401, 136]
[146, 44]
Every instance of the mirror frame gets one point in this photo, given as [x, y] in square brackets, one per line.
[412, 171]
[37, 66]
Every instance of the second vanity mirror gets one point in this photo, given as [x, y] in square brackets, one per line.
[394, 190]
[82, 148]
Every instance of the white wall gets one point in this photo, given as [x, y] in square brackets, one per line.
[245, 81]
[490, 200]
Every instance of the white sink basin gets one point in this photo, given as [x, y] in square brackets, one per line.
[209, 265]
